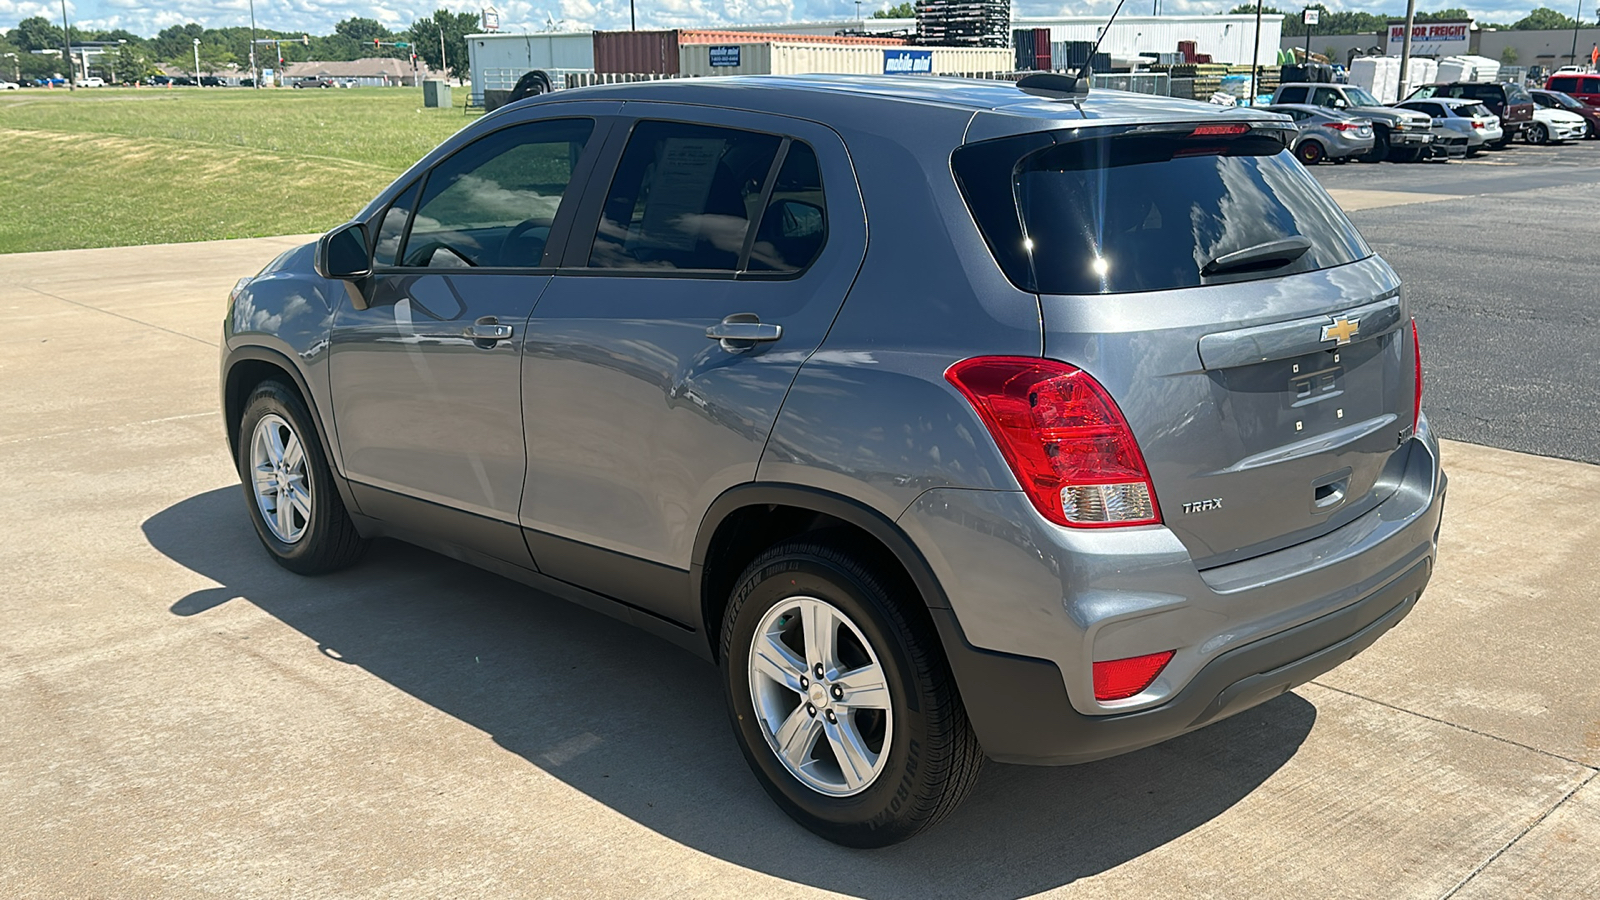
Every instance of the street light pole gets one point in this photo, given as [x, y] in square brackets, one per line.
[1255, 58]
[1405, 47]
[1578, 20]
[66, 45]
[255, 77]
[633, 17]
[196, 62]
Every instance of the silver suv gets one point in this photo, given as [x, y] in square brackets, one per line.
[949, 421]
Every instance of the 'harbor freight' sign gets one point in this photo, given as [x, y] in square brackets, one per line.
[907, 62]
[1432, 38]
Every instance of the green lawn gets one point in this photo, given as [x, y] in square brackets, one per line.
[112, 167]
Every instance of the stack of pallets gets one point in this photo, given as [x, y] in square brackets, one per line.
[964, 23]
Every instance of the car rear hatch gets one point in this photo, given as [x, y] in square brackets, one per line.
[1257, 348]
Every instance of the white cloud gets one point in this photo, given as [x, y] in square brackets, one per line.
[318, 16]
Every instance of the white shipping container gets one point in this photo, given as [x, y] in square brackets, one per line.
[1419, 72]
[1380, 75]
[1227, 38]
[1468, 68]
[496, 61]
[788, 58]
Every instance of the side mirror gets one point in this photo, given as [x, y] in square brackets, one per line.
[1338, 103]
[343, 253]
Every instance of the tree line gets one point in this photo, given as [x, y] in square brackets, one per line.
[32, 49]
[1334, 22]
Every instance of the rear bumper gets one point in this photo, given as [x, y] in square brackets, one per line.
[1032, 606]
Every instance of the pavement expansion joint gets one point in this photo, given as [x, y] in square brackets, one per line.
[1591, 769]
[108, 312]
[1521, 834]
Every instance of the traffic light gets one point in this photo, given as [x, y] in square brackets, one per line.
[374, 42]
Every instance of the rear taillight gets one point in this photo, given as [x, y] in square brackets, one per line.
[1477, 124]
[1064, 439]
[1119, 679]
[1214, 130]
[1342, 126]
[1416, 361]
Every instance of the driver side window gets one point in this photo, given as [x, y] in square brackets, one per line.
[492, 204]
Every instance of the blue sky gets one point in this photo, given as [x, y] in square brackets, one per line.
[317, 16]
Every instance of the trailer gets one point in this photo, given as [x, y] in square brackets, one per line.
[498, 61]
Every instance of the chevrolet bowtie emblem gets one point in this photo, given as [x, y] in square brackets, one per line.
[1341, 331]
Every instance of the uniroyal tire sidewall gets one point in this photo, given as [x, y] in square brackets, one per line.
[852, 819]
[276, 400]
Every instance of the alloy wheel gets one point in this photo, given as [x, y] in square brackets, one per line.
[821, 696]
[279, 478]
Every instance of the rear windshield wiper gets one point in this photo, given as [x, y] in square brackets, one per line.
[1269, 255]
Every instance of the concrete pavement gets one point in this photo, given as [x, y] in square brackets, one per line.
[179, 717]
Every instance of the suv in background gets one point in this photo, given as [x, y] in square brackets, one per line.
[1397, 134]
[1113, 429]
[315, 81]
[1581, 87]
[1511, 102]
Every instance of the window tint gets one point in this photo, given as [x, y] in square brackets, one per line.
[795, 224]
[1516, 94]
[392, 230]
[1326, 97]
[493, 202]
[1567, 85]
[1148, 212]
[683, 198]
[1292, 95]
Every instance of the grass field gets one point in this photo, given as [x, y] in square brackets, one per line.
[113, 167]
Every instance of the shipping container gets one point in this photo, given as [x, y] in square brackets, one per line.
[1225, 38]
[636, 52]
[791, 58]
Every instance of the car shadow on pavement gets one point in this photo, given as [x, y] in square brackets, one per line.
[640, 725]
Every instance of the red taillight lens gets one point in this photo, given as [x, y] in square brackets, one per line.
[1064, 438]
[1477, 124]
[1416, 358]
[1219, 129]
[1342, 126]
[1119, 679]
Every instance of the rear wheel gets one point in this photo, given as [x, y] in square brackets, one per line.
[1310, 153]
[841, 701]
[293, 501]
[1538, 134]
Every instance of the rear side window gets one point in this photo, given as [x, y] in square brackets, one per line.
[1565, 85]
[1141, 212]
[684, 197]
[1292, 95]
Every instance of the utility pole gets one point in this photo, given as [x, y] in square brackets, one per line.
[633, 18]
[66, 46]
[1255, 57]
[1405, 44]
[255, 76]
[444, 64]
[1577, 20]
[196, 62]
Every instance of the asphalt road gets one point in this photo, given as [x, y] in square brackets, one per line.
[1502, 271]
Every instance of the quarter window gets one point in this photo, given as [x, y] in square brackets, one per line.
[795, 224]
[1292, 95]
[684, 197]
[494, 202]
[392, 231]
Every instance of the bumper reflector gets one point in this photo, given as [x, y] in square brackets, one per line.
[1118, 679]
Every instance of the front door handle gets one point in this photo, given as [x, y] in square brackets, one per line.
[486, 332]
[741, 331]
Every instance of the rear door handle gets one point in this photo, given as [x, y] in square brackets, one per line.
[741, 331]
[487, 330]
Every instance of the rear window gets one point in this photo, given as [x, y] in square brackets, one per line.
[1141, 212]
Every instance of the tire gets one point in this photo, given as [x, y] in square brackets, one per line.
[927, 758]
[312, 534]
[1380, 147]
[1407, 155]
[1538, 134]
[1310, 153]
[1588, 131]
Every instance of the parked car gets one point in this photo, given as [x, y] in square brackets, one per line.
[1326, 134]
[92, 82]
[8, 86]
[315, 81]
[1467, 120]
[1554, 126]
[1069, 459]
[213, 81]
[50, 82]
[1566, 103]
[1583, 87]
[1510, 102]
[1397, 134]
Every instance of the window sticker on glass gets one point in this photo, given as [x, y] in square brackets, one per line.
[678, 190]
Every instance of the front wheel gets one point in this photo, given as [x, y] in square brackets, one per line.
[1538, 134]
[841, 699]
[294, 503]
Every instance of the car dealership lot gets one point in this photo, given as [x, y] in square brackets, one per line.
[182, 717]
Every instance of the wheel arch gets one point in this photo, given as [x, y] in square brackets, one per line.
[247, 367]
[748, 519]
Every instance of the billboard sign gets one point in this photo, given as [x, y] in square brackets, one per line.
[907, 62]
[1432, 38]
[724, 57]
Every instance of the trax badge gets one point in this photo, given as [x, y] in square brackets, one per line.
[1202, 506]
[1341, 331]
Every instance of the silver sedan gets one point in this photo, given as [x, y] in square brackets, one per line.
[1326, 133]
[1460, 115]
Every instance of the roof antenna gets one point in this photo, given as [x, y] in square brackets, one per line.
[1072, 88]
